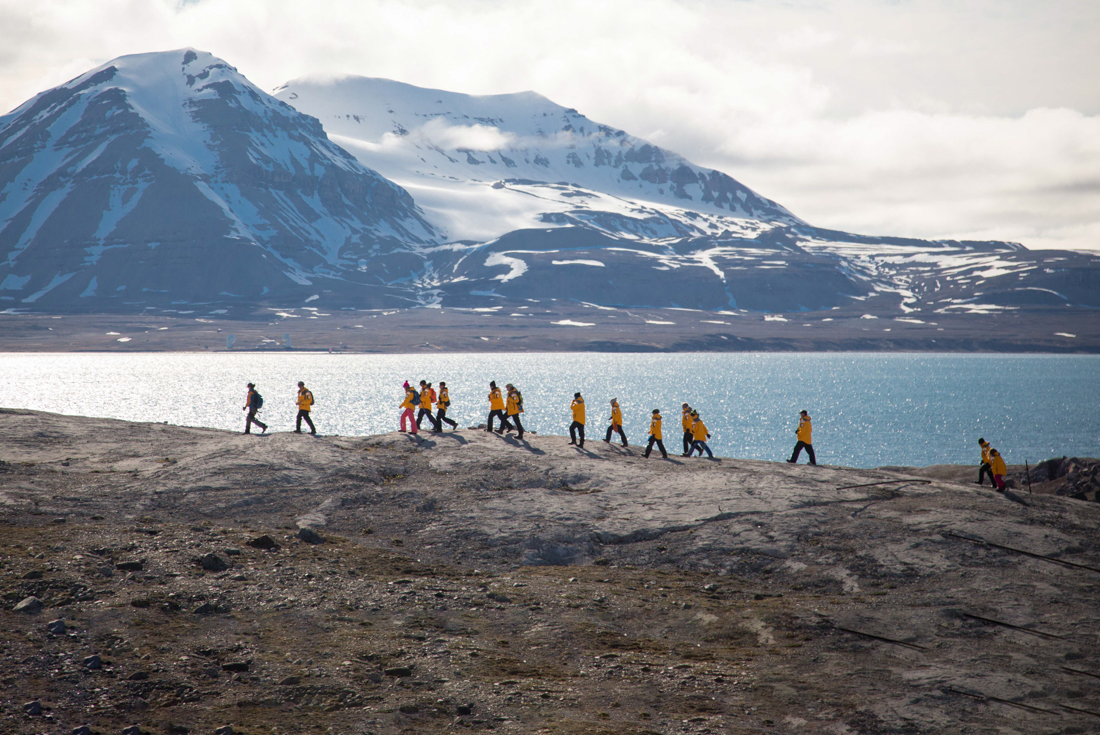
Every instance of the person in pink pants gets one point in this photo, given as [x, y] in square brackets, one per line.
[406, 407]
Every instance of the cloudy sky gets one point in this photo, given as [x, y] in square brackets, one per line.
[928, 118]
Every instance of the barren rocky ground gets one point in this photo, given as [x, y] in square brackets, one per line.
[185, 580]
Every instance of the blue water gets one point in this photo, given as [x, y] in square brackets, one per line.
[868, 409]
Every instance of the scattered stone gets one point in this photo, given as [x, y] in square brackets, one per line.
[310, 536]
[132, 730]
[105, 571]
[398, 671]
[465, 709]
[213, 563]
[56, 627]
[497, 597]
[237, 666]
[33, 574]
[227, 730]
[34, 709]
[293, 681]
[210, 608]
[408, 709]
[138, 676]
[83, 730]
[232, 552]
[374, 677]
[93, 662]
[129, 566]
[264, 543]
[29, 605]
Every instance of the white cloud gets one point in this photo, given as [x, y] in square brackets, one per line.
[974, 118]
[461, 137]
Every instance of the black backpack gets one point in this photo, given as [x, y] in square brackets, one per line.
[416, 397]
[259, 400]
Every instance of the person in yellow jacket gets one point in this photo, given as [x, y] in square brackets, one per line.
[427, 398]
[985, 468]
[686, 421]
[577, 427]
[252, 403]
[804, 434]
[616, 422]
[514, 408]
[655, 434]
[442, 405]
[699, 436]
[496, 408]
[997, 465]
[408, 406]
[305, 405]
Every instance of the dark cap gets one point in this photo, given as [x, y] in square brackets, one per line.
[577, 394]
[656, 410]
[251, 385]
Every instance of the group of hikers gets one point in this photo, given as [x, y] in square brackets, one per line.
[505, 410]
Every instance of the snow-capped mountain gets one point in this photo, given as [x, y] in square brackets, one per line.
[486, 165]
[170, 178]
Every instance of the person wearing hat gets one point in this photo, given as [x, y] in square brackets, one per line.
[804, 434]
[985, 468]
[441, 408]
[685, 421]
[408, 405]
[655, 434]
[577, 427]
[616, 422]
[426, 396]
[305, 405]
[699, 436]
[515, 408]
[496, 408]
[253, 403]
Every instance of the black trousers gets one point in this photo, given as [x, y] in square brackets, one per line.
[809, 450]
[304, 414]
[660, 445]
[688, 441]
[575, 427]
[441, 418]
[984, 470]
[613, 428]
[503, 423]
[426, 412]
[514, 418]
[253, 420]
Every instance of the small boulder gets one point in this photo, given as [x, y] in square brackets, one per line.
[310, 536]
[93, 662]
[83, 730]
[34, 709]
[398, 671]
[33, 574]
[213, 563]
[264, 543]
[56, 627]
[227, 730]
[290, 681]
[29, 605]
[132, 730]
[236, 666]
[138, 676]
[129, 566]
[464, 709]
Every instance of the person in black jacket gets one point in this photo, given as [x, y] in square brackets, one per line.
[252, 405]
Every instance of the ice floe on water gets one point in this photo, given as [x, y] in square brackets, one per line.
[571, 323]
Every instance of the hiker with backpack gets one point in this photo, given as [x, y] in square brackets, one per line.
[655, 434]
[515, 408]
[412, 399]
[305, 405]
[253, 403]
[577, 407]
[496, 409]
[998, 469]
[804, 435]
[427, 397]
[442, 406]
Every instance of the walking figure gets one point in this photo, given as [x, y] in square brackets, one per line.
[804, 434]
[305, 406]
[577, 427]
[686, 421]
[985, 468]
[515, 408]
[616, 422]
[253, 403]
[412, 399]
[699, 436]
[997, 465]
[427, 397]
[443, 404]
[496, 408]
[655, 434]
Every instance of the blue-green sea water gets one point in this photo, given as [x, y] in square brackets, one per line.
[868, 409]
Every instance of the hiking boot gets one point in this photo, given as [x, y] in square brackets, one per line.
[791, 461]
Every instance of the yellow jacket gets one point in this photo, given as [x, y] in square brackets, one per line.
[699, 430]
[578, 410]
[426, 398]
[513, 404]
[685, 419]
[997, 464]
[408, 402]
[616, 415]
[444, 398]
[985, 453]
[655, 426]
[496, 401]
[305, 399]
[805, 430]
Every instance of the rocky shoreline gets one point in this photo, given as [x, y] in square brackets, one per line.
[183, 580]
